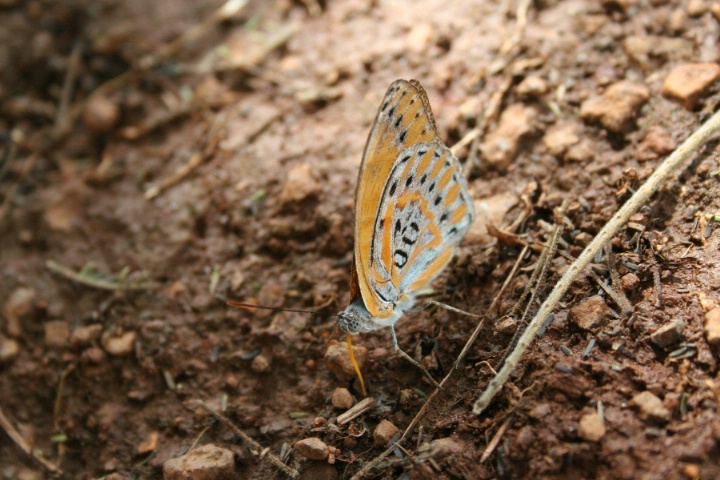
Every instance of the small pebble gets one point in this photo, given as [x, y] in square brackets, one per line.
[560, 137]
[712, 326]
[260, 364]
[342, 399]
[540, 411]
[312, 448]
[9, 349]
[120, 346]
[149, 445]
[648, 49]
[658, 141]
[101, 114]
[696, 8]
[677, 22]
[501, 144]
[715, 11]
[651, 408]
[384, 432]
[506, 326]
[590, 314]
[533, 86]
[57, 333]
[83, 336]
[445, 447]
[420, 36]
[489, 211]
[337, 359]
[94, 355]
[591, 427]
[582, 239]
[630, 282]
[691, 471]
[407, 398]
[687, 83]
[207, 462]
[17, 307]
[668, 334]
[300, 184]
[617, 108]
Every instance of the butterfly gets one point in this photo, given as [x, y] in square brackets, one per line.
[412, 209]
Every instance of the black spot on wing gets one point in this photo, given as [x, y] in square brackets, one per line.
[438, 199]
[402, 136]
[408, 181]
[400, 258]
[393, 187]
[423, 179]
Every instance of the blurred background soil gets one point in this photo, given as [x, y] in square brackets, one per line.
[160, 158]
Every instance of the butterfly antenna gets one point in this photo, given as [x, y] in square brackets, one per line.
[235, 304]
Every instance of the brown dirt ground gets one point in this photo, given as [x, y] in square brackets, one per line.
[274, 106]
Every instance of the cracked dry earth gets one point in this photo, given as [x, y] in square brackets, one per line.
[160, 158]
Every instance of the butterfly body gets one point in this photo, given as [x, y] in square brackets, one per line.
[412, 209]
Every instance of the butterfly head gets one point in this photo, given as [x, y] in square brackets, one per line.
[355, 319]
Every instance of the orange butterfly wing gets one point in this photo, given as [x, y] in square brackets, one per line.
[404, 119]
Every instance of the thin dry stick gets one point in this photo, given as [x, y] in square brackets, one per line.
[520, 27]
[537, 279]
[196, 159]
[263, 452]
[15, 436]
[61, 120]
[669, 167]
[57, 409]
[618, 295]
[99, 283]
[495, 440]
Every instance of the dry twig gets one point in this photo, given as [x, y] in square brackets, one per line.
[662, 174]
[259, 450]
[18, 439]
[92, 279]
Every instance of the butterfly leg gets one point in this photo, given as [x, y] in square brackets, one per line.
[409, 358]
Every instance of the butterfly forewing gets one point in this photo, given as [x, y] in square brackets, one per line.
[404, 120]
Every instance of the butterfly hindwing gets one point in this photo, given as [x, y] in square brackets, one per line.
[425, 211]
